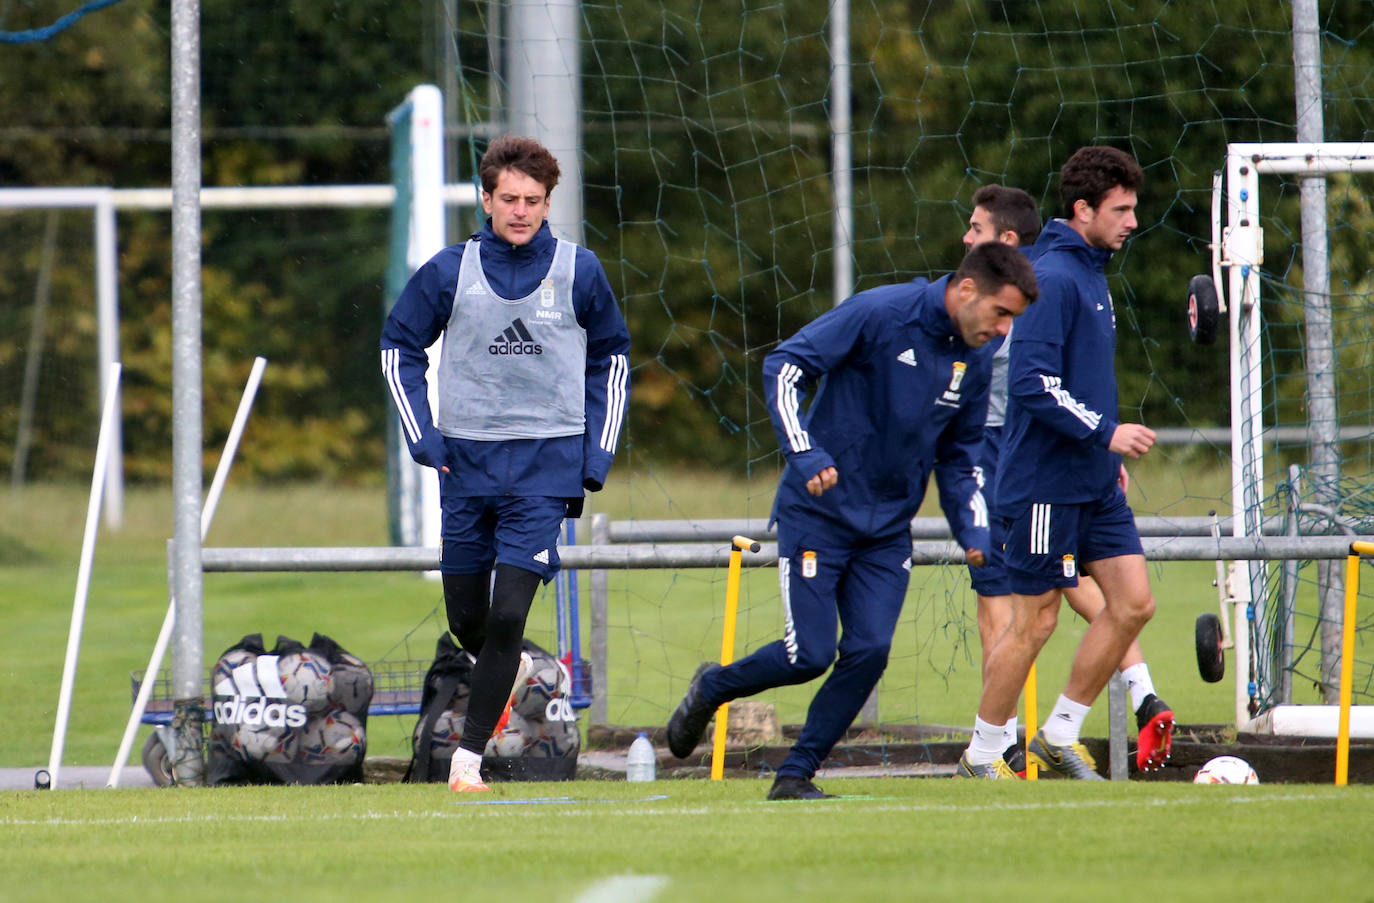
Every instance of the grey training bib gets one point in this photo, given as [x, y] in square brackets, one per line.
[513, 369]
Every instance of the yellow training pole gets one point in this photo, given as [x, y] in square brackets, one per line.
[1032, 770]
[1352, 592]
[727, 645]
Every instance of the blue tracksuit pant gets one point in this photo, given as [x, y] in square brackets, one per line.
[830, 582]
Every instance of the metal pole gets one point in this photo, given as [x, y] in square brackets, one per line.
[1289, 589]
[83, 581]
[1324, 450]
[841, 153]
[545, 75]
[597, 585]
[33, 356]
[448, 78]
[188, 765]
[1117, 712]
[107, 313]
[495, 59]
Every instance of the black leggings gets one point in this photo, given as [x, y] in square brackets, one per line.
[491, 628]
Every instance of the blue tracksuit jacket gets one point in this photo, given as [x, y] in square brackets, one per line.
[902, 395]
[1061, 382]
[560, 467]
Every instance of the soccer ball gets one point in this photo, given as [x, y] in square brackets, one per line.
[305, 676]
[261, 743]
[447, 733]
[513, 739]
[556, 740]
[333, 738]
[547, 682]
[1226, 770]
[350, 684]
[222, 680]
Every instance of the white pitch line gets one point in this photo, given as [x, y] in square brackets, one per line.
[575, 809]
[624, 889]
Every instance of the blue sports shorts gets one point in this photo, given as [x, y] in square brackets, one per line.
[991, 579]
[481, 531]
[1046, 544]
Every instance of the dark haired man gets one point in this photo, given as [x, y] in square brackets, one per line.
[1060, 486]
[533, 383]
[1004, 214]
[1010, 215]
[903, 395]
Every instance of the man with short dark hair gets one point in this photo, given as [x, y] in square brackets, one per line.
[1005, 214]
[902, 395]
[533, 384]
[1061, 485]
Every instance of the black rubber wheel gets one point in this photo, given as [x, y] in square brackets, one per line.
[1204, 310]
[1211, 664]
[155, 759]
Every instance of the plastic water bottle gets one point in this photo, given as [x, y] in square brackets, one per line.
[642, 760]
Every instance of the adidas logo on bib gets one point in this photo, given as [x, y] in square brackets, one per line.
[515, 339]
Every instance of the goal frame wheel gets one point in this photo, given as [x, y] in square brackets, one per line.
[1211, 663]
[1204, 310]
[156, 760]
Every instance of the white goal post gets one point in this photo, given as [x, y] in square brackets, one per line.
[1238, 251]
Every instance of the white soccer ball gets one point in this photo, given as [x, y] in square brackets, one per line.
[222, 680]
[351, 684]
[447, 733]
[513, 739]
[1226, 770]
[556, 740]
[305, 677]
[333, 738]
[262, 743]
[547, 682]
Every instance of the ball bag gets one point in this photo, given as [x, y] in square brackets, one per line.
[540, 741]
[294, 715]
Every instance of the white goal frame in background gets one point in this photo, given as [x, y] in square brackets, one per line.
[1238, 249]
[104, 202]
[421, 116]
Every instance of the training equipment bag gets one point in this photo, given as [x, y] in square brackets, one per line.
[295, 715]
[540, 741]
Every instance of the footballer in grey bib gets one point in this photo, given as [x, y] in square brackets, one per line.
[513, 369]
[997, 386]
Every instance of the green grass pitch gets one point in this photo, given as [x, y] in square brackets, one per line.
[883, 839]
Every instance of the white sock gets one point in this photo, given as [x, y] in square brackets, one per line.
[464, 758]
[1065, 723]
[1009, 737]
[987, 744]
[1138, 682]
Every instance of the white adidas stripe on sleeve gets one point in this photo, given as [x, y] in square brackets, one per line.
[391, 370]
[617, 381]
[1055, 387]
[789, 409]
[979, 506]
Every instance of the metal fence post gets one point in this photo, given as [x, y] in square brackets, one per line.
[597, 582]
[1117, 713]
